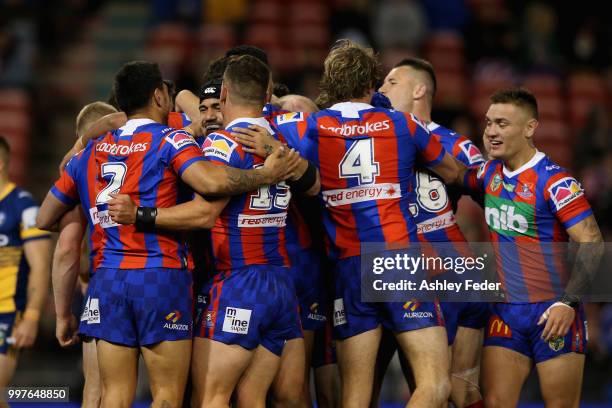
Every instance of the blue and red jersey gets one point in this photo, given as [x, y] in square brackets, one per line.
[528, 210]
[434, 207]
[144, 159]
[251, 228]
[366, 159]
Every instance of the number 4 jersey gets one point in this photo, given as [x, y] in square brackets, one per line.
[251, 228]
[366, 159]
[145, 160]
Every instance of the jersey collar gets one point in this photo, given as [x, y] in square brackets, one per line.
[351, 109]
[253, 121]
[431, 126]
[532, 162]
[6, 190]
[132, 124]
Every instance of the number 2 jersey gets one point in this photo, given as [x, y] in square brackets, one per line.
[435, 204]
[366, 159]
[251, 228]
[527, 211]
[145, 160]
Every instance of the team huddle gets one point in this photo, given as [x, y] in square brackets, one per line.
[226, 231]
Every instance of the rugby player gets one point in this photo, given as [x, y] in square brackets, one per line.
[25, 260]
[66, 268]
[145, 314]
[530, 204]
[411, 86]
[350, 159]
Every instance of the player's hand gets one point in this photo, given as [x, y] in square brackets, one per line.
[559, 317]
[24, 333]
[66, 330]
[256, 140]
[122, 209]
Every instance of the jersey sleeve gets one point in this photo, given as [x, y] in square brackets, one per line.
[474, 178]
[566, 199]
[65, 188]
[29, 210]
[180, 150]
[292, 126]
[466, 152]
[223, 150]
[431, 150]
[178, 120]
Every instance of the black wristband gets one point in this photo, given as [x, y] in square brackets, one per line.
[145, 218]
[306, 181]
[570, 300]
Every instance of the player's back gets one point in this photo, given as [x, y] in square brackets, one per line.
[436, 203]
[366, 159]
[251, 228]
[143, 159]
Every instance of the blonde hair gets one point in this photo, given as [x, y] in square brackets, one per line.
[350, 71]
[90, 113]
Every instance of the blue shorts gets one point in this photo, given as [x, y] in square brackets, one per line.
[138, 307]
[7, 322]
[514, 326]
[473, 315]
[352, 316]
[307, 278]
[251, 306]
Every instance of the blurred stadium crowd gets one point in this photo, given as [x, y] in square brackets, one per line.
[56, 56]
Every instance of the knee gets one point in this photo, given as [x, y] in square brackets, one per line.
[439, 391]
[557, 402]
[492, 400]
[292, 399]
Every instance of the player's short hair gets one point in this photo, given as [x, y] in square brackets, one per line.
[350, 71]
[5, 150]
[245, 49]
[135, 83]
[279, 90]
[421, 65]
[520, 97]
[90, 113]
[247, 78]
[215, 70]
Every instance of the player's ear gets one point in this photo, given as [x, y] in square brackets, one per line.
[419, 91]
[223, 94]
[158, 97]
[530, 127]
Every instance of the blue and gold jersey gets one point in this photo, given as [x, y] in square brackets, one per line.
[18, 212]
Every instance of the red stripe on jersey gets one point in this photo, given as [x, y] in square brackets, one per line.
[393, 223]
[578, 323]
[175, 120]
[127, 233]
[93, 186]
[167, 196]
[282, 246]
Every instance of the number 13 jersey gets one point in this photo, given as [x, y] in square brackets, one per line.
[366, 159]
[145, 160]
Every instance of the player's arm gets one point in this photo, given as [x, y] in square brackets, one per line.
[257, 140]
[64, 274]
[188, 102]
[51, 210]
[209, 179]
[105, 124]
[195, 214]
[38, 256]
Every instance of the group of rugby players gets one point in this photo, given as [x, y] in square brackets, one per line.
[258, 175]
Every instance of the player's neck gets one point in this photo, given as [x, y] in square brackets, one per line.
[365, 99]
[422, 111]
[520, 158]
[236, 112]
[148, 114]
[4, 180]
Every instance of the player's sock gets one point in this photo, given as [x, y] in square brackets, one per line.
[477, 404]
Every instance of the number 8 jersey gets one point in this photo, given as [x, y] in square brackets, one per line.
[145, 160]
[251, 227]
[366, 159]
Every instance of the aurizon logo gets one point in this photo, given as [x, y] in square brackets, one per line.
[504, 218]
[351, 130]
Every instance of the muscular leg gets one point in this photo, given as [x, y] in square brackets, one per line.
[255, 382]
[8, 363]
[503, 373]
[92, 390]
[288, 386]
[118, 372]
[465, 367]
[216, 370]
[386, 350]
[327, 385]
[356, 360]
[168, 367]
[426, 350]
[561, 380]
[309, 339]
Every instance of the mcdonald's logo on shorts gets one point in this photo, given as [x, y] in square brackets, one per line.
[497, 328]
